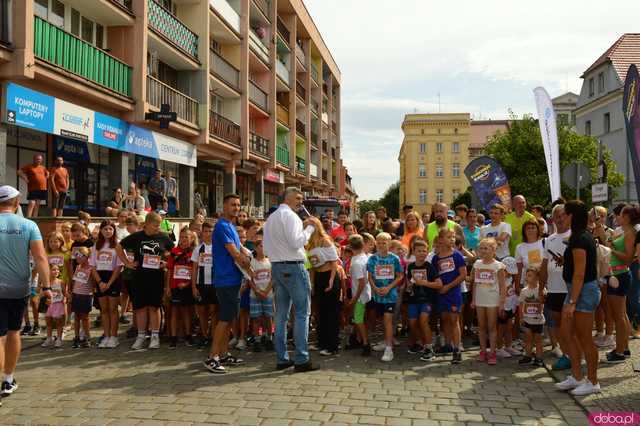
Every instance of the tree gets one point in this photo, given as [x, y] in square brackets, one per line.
[391, 200]
[464, 198]
[368, 205]
[521, 155]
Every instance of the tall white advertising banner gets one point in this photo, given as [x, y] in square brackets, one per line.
[549, 133]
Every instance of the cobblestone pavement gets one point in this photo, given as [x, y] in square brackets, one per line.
[122, 387]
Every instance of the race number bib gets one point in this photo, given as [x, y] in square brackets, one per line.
[485, 276]
[57, 295]
[182, 272]
[74, 252]
[384, 272]
[81, 276]
[511, 291]
[104, 261]
[150, 261]
[532, 308]
[205, 259]
[56, 260]
[535, 258]
[263, 275]
[446, 265]
[419, 274]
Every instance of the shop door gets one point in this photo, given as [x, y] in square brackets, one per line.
[84, 191]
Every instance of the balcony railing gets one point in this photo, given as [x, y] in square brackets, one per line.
[325, 118]
[259, 145]
[301, 128]
[123, 3]
[282, 155]
[263, 5]
[224, 70]
[170, 27]
[300, 165]
[282, 71]
[314, 139]
[282, 114]
[325, 148]
[300, 55]
[258, 46]
[227, 12]
[314, 73]
[313, 169]
[224, 128]
[333, 153]
[314, 106]
[159, 93]
[300, 90]
[284, 31]
[324, 175]
[258, 96]
[67, 51]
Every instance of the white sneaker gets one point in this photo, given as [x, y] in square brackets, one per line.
[388, 354]
[241, 345]
[586, 388]
[557, 352]
[606, 342]
[138, 344]
[569, 383]
[513, 351]
[47, 342]
[379, 347]
[113, 342]
[155, 342]
[104, 343]
[233, 342]
[461, 347]
[503, 353]
[326, 352]
[58, 343]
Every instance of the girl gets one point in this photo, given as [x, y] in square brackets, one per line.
[178, 286]
[529, 251]
[55, 311]
[488, 297]
[531, 313]
[81, 302]
[412, 227]
[58, 254]
[506, 317]
[106, 268]
[65, 229]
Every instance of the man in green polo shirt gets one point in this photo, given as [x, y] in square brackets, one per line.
[440, 221]
[516, 219]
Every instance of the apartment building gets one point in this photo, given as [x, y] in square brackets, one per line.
[254, 88]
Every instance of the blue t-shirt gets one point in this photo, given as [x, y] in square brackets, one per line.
[384, 270]
[449, 269]
[472, 238]
[225, 271]
[16, 233]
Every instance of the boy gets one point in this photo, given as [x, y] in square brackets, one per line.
[80, 238]
[532, 317]
[202, 285]
[385, 274]
[506, 320]
[360, 289]
[242, 322]
[423, 288]
[261, 298]
[452, 269]
[499, 230]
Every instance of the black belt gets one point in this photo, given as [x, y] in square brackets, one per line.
[289, 262]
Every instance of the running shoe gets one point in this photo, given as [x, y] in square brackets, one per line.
[241, 345]
[615, 358]
[8, 388]
[537, 362]
[26, 330]
[586, 388]
[35, 331]
[214, 366]
[525, 360]
[154, 343]
[414, 349]
[456, 357]
[427, 354]
[569, 383]
[606, 342]
[139, 343]
[492, 359]
[388, 354]
[231, 360]
[482, 356]
[513, 351]
[47, 342]
[503, 353]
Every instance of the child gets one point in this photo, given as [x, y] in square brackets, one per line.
[506, 317]
[488, 296]
[499, 230]
[423, 288]
[65, 230]
[178, 286]
[106, 268]
[202, 286]
[55, 311]
[400, 317]
[452, 270]
[369, 243]
[360, 289]
[127, 277]
[261, 299]
[242, 322]
[533, 318]
[81, 301]
[385, 274]
[58, 254]
[466, 314]
[33, 302]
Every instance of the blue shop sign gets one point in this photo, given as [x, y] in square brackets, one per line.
[109, 131]
[72, 150]
[28, 108]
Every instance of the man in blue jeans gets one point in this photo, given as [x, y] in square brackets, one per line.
[285, 236]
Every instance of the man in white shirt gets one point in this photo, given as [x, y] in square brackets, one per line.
[285, 236]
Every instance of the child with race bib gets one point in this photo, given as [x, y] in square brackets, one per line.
[531, 306]
[55, 311]
[81, 300]
[178, 286]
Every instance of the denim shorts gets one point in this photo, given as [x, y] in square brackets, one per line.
[588, 299]
[261, 307]
[415, 309]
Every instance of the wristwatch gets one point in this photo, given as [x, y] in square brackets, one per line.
[571, 302]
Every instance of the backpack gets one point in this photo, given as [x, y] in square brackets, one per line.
[604, 257]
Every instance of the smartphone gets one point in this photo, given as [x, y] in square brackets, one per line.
[304, 213]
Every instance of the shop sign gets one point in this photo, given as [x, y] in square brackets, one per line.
[272, 175]
[28, 108]
[72, 150]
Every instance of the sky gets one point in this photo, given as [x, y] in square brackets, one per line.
[484, 58]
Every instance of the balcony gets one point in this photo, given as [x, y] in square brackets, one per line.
[334, 127]
[283, 31]
[258, 96]
[258, 46]
[301, 91]
[314, 106]
[325, 148]
[300, 165]
[333, 153]
[282, 155]
[324, 175]
[170, 28]
[224, 128]
[300, 54]
[314, 138]
[282, 114]
[282, 71]
[224, 70]
[67, 51]
[325, 118]
[313, 169]
[227, 13]
[159, 93]
[258, 145]
[301, 128]
[125, 4]
[263, 5]
[314, 72]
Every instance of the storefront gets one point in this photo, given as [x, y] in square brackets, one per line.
[273, 188]
[210, 186]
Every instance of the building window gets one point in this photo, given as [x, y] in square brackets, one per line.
[587, 128]
[456, 147]
[439, 196]
[41, 8]
[87, 30]
[50, 10]
[422, 171]
[75, 22]
[591, 87]
[439, 147]
[601, 82]
[423, 148]
[455, 170]
[607, 122]
[422, 131]
[439, 171]
[455, 193]
[423, 196]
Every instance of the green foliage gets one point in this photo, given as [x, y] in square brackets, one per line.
[521, 155]
[464, 198]
[390, 201]
[368, 205]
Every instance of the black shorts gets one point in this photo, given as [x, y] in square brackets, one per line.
[59, 200]
[229, 302]
[207, 295]
[37, 195]
[624, 283]
[555, 301]
[507, 316]
[385, 308]
[182, 296]
[11, 314]
[113, 290]
[535, 328]
[146, 293]
[81, 304]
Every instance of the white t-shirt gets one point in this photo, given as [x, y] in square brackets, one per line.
[486, 287]
[358, 271]
[105, 259]
[121, 233]
[492, 231]
[554, 247]
[529, 254]
[262, 274]
[204, 259]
